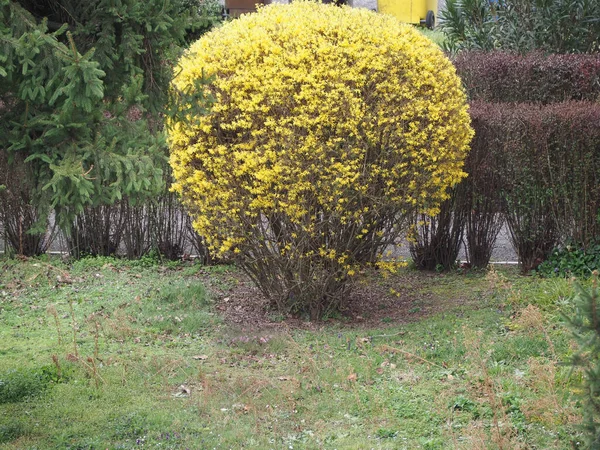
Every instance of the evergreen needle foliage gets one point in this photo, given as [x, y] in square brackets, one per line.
[585, 324]
[82, 93]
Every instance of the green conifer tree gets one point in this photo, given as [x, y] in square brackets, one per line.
[585, 324]
[83, 88]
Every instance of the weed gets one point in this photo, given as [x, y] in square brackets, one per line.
[17, 385]
[133, 426]
[531, 319]
[51, 309]
[10, 430]
[546, 294]
[550, 408]
[219, 269]
[384, 433]
[73, 327]
[465, 404]
[184, 294]
[92, 369]
[276, 317]
[56, 362]
[571, 261]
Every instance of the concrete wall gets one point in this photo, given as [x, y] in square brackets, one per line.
[369, 4]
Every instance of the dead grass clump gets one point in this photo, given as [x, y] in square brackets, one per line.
[499, 433]
[118, 326]
[503, 287]
[547, 408]
[531, 320]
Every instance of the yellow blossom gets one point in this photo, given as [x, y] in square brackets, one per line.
[326, 124]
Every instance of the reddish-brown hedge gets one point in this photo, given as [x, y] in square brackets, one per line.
[534, 77]
[546, 160]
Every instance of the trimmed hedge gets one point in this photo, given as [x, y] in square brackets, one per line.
[482, 200]
[547, 160]
[534, 77]
[534, 162]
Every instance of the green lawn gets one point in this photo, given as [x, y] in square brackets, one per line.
[437, 36]
[107, 354]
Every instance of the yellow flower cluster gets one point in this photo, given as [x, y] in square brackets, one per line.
[327, 123]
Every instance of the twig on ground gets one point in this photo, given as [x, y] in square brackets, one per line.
[388, 348]
[399, 333]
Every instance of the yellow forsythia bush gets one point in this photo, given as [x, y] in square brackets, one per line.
[326, 126]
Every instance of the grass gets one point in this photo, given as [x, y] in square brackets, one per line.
[436, 35]
[108, 354]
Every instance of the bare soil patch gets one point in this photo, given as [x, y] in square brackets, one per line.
[375, 302]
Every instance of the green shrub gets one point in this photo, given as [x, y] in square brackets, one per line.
[572, 260]
[83, 88]
[554, 26]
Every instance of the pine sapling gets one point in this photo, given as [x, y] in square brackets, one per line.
[585, 325]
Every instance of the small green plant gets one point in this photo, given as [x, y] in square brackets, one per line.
[436, 36]
[11, 430]
[462, 403]
[96, 262]
[151, 259]
[17, 385]
[384, 433]
[571, 260]
[585, 324]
